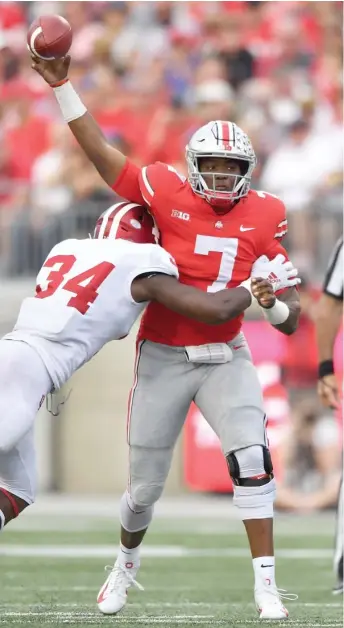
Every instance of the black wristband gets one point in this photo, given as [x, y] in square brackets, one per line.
[325, 368]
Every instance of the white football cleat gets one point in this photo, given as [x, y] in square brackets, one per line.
[112, 597]
[269, 602]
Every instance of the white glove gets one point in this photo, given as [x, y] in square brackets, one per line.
[279, 272]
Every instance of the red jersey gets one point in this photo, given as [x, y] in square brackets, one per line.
[212, 251]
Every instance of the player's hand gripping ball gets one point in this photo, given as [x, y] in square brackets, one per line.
[49, 37]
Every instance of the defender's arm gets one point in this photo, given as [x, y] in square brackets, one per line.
[213, 309]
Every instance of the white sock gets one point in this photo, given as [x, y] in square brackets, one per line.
[264, 570]
[2, 520]
[128, 556]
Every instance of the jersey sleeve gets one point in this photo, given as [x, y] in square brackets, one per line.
[161, 261]
[275, 249]
[275, 228]
[158, 181]
[127, 184]
[148, 185]
[279, 222]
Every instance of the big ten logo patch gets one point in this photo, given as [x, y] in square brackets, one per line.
[181, 215]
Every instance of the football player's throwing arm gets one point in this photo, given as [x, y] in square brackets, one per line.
[108, 161]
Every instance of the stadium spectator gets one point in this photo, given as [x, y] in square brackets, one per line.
[150, 72]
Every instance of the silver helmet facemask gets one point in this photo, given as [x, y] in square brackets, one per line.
[240, 183]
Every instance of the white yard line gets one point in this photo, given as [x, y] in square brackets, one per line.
[173, 605]
[72, 618]
[214, 528]
[153, 551]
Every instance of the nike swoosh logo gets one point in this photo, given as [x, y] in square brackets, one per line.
[242, 228]
[102, 595]
[266, 565]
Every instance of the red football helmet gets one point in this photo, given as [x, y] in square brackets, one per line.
[127, 221]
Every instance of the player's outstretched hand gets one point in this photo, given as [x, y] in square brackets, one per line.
[263, 291]
[328, 391]
[52, 71]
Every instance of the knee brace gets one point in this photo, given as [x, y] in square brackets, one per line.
[144, 495]
[133, 517]
[149, 468]
[254, 485]
[251, 466]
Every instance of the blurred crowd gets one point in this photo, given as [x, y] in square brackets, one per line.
[151, 73]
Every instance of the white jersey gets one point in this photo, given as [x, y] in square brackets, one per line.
[83, 300]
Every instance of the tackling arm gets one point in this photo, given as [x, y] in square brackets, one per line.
[213, 309]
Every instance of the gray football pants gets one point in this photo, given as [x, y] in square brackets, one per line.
[228, 395]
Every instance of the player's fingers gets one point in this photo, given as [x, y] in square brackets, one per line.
[266, 285]
[263, 292]
[36, 63]
[35, 59]
[259, 289]
[258, 281]
[279, 258]
[328, 395]
[330, 399]
[264, 296]
[293, 280]
[66, 61]
[292, 272]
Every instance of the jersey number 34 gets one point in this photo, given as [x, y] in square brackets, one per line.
[60, 277]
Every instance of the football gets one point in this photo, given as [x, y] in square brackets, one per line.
[49, 37]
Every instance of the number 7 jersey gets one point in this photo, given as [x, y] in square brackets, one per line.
[83, 300]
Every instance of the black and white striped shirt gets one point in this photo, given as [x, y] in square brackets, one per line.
[333, 284]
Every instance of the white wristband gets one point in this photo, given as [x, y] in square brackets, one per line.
[71, 105]
[277, 314]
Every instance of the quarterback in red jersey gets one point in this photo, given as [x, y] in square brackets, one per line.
[216, 229]
[214, 248]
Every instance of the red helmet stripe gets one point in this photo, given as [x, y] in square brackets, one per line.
[225, 134]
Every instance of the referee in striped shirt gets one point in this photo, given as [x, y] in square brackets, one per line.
[328, 321]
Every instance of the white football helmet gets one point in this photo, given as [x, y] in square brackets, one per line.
[220, 139]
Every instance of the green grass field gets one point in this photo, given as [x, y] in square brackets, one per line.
[195, 572]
